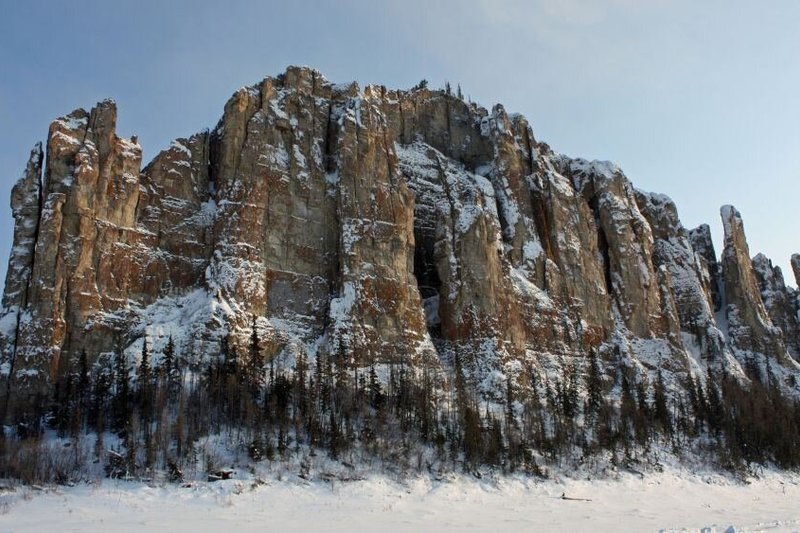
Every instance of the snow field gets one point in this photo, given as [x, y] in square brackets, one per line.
[675, 500]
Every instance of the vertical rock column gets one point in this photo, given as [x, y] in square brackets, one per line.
[377, 314]
[708, 265]
[575, 251]
[749, 327]
[89, 198]
[25, 206]
[275, 233]
[684, 278]
[779, 302]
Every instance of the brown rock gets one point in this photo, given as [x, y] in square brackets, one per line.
[372, 225]
[25, 206]
[709, 266]
[89, 197]
[779, 302]
[749, 326]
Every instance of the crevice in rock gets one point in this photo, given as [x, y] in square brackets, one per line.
[335, 279]
[429, 283]
[529, 151]
[403, 139]
[40, 201]
[24, 297]
[501, 215]
[602, 245]
[330, 139]
[542, 224]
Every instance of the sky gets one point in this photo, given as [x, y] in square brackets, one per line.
[697, 99]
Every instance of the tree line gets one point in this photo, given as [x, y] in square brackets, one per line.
[154, 414]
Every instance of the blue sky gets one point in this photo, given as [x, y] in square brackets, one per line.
[697, 99]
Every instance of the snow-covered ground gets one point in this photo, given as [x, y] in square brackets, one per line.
[670, 501]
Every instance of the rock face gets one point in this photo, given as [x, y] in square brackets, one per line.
[749, 326]
[372, 225]
[80, 216]
[779, 301]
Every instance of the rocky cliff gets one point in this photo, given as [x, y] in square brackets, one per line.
[373, 225]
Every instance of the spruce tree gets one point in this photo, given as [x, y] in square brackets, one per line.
[594, 385]
[511, 420]
[660, 409]
[144, 370]
[375, 392]
[628, 410]
[229, 356]
[169, 369]
[122, 407]
[84, 380]
[145, 389]
[255, 370]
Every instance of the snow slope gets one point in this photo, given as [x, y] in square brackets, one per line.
[674, 500]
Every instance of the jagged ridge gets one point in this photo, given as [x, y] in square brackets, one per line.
[374, 225]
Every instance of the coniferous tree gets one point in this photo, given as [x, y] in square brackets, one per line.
[511, 419]
[145, 391]
[460, 383]
[494, 449]
[375, 391]
[255, 369]
[103, 380]
[661, 413]
[84, 380]
[714, 409]
[60, 412]
[643, 413]
[229, 356]
[594, 385]
[144, 372]
[72, 409]
[122, 408]
[170, 370]
[301, 387]
[628, 411]
[320, 389]
[567, 391]
[696, 404]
